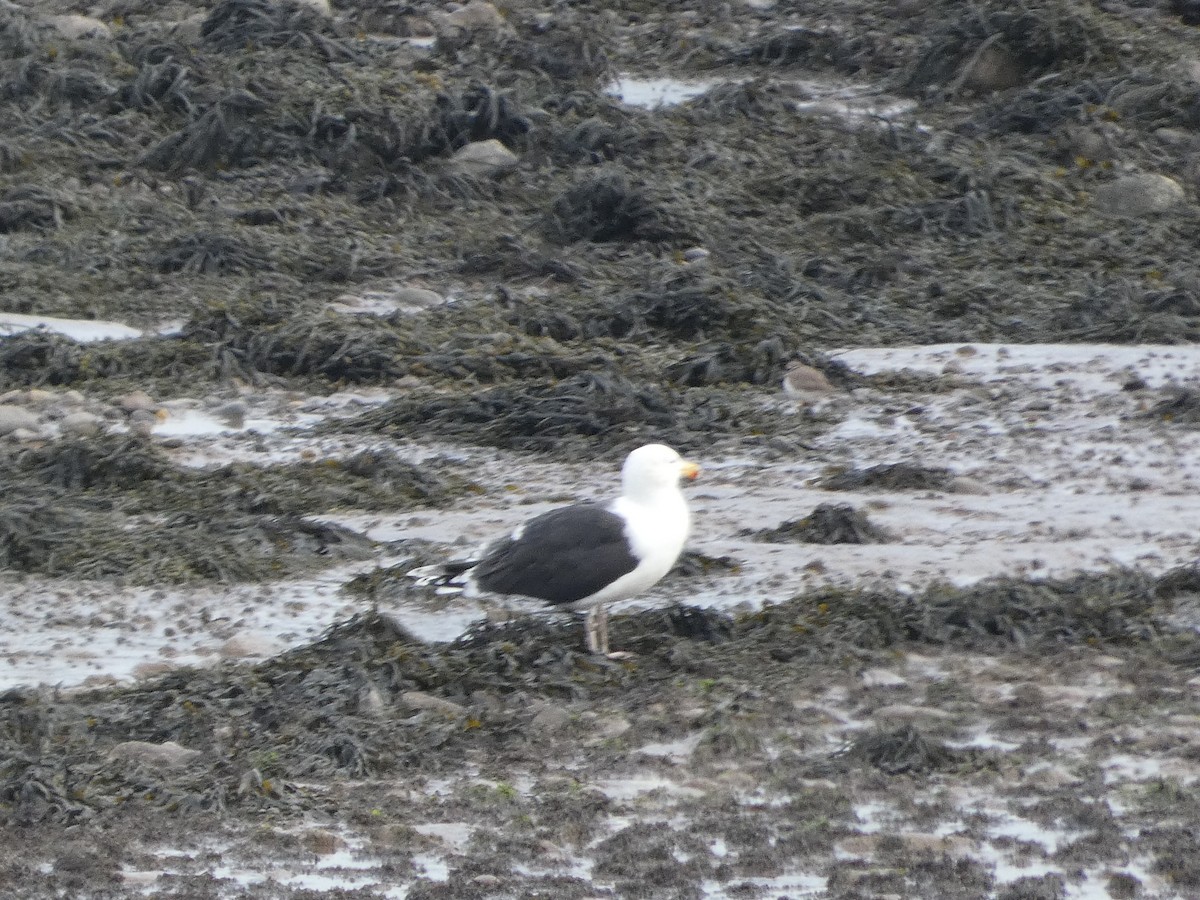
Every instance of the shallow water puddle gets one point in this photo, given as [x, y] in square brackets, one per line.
[67, 633]
[650, 92]
[1060, 472]
[82, 330]
[850, 102]
[342, 869]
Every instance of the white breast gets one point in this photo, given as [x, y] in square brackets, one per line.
[656, 531]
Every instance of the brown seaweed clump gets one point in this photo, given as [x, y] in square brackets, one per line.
[891, 477]
[829, 523]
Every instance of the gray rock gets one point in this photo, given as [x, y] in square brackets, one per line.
[476, 14]
[241, 646]
[992, 68]
[549, 718]
[321, 6]
[420, 701]
[232, 413]
[169, 755]
[138, 400]
[142, 421]
[13, 418]
[77, 27]
[484, 158]
[1139, 195]
[83, 424]
[415, 299]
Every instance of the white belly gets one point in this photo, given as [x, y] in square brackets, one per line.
[656, 534]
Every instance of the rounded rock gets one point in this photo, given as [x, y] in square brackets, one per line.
[137, 400]
[14, 418]
[82, 424]
[1139, 195]
[484, 158]
[168, 755]
[76, 27]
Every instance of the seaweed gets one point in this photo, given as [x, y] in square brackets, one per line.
[609, 207]
[891, 477]
[536, 416]
[206, 253]
[829, 523]
[1034, 38]
[32, 207]
[234, 25]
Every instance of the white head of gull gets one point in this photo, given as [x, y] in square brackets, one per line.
[584, 556]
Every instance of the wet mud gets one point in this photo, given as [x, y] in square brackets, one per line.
[380, 271]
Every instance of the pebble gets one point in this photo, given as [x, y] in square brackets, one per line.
[415, 299]
[137, 400]
[321, 6]
[78, 27]
[476, 14]
[14, 418]
[232, 414]
[142, 422]
[1139, 195]
[241, 646]
[419, 700]
[82, 424]
[169, 755]
[371, 702]
[884, 678]
[906, 712]
[484, 158]
[549, 718]
[993, 68]
[322, 842]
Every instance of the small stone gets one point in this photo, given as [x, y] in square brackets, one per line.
[138, 400]
[169, 755]
[420, 701]
[371, 702]
[241, 646]
[415, 299]
[232, 414]
[40, 397]
[191, 29]
[476, 14]
[906, 712]
[695, 255]
[403, 299]
[882, 678]
[82, 424]
[608, 727]
[993, 68]
[13, 418]
[320, 6]
[484, 158]
[965, 484]
[77, 27]
[152, 669]
[1139, 195]
[142, 422]
[322, 842]
[549, 718]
